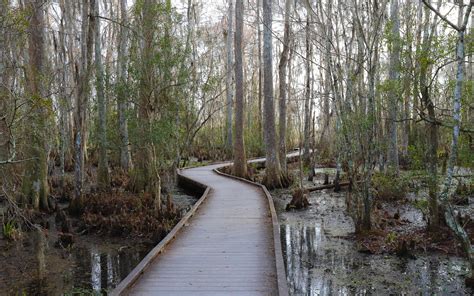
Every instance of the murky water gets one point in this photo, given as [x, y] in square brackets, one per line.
[321, 257]
[101, 270]
[321, 265]
[93, 265]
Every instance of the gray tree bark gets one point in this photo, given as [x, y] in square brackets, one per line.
[282, 73]
[229, 88]
[125, 155]
[307, 101]
[394, 77]
[240, 162]
[103, 169]
[273, 176]
[82, 100]
[35, 185]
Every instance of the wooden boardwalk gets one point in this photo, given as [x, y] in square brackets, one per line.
[226, 248]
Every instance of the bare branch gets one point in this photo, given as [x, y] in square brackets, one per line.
[443, 17]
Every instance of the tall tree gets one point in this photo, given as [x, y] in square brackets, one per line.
[35, 185]
[273, 174]
[326, 133]
[125, 157]
[283, 85]
[260, 67]
[146, 177]
[307, 101]
[82, 80]
[229, 88]
[240, 162]
[103, 169]
[394, 77]
[424, 70]
[4, 81]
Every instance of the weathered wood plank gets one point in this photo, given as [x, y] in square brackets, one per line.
[231, 245]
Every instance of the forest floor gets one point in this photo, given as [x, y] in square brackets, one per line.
[106, 245]
[323, 256]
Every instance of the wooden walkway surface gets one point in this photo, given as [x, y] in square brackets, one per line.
[226, 248]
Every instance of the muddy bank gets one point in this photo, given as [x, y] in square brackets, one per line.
[322, 257]
[94, 264]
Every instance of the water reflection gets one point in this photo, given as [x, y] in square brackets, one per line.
[102, 270]
[320, 264]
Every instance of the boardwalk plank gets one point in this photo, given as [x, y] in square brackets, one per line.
[226, 248]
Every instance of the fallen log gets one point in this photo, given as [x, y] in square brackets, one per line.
[328, 186]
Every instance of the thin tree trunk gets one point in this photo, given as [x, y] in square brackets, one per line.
[260, 70]
[307, 101]
[432, 153]
[229, 88]
[325, 136]
[125, 155]
[240, 162]
[63, 101]
[407, 81]
[103, 169]
[394, 76]
[282, 71]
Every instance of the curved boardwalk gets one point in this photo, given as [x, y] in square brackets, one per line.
[227, 248]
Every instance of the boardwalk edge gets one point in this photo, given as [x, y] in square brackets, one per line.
[280, 266]
[135, 274]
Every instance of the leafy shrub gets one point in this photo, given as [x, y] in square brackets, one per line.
[389, 187]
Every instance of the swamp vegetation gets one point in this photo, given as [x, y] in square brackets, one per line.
[103, 101]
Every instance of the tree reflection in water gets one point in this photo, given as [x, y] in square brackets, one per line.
[321, 259]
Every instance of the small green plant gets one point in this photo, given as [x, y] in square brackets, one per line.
[10, 231]
[391, 237]
[422, 205]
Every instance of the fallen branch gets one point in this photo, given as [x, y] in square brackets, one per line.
[328, 186]
[17, 211]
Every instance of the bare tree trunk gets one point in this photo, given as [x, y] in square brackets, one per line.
[240, 162]
[260, 70]
[36, 186]
[125, 155]
[229, 88]
[325, 135]
[282, 70]
[273, 176]
[4, 82]
[394, 76]
[61, 62]
[103, 169]
[432, 154]
[307, 101]
[82, 99]
[407, 81]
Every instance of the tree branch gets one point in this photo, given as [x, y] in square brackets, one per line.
[443, 17]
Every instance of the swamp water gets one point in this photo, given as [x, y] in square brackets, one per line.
[321, 257]
[92, 266]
